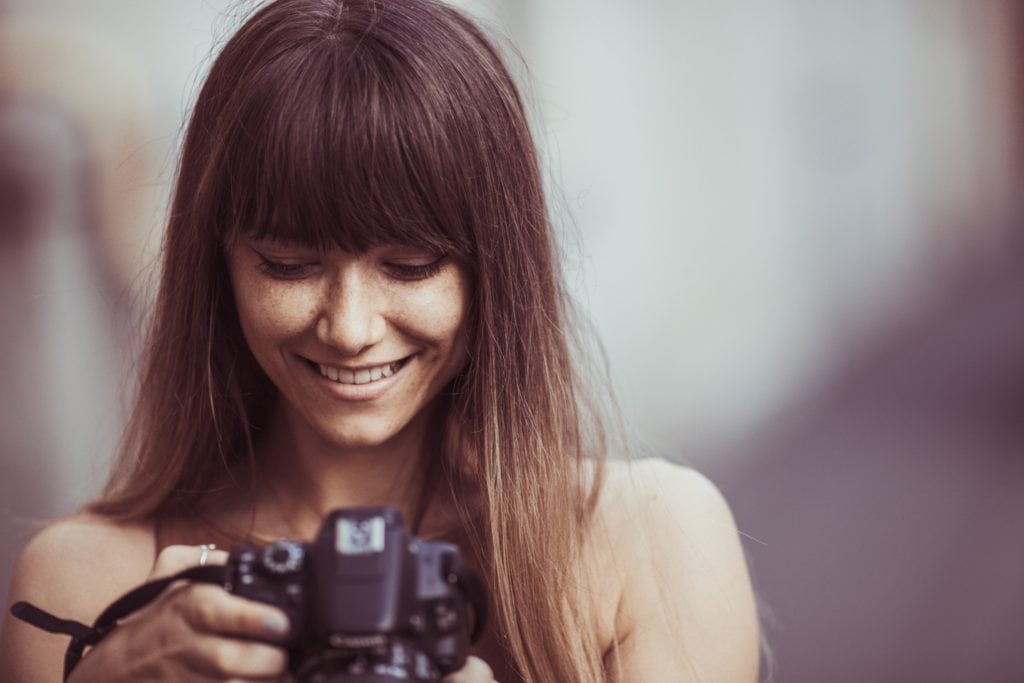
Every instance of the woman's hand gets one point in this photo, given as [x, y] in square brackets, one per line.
[475, 671]
[192, 632]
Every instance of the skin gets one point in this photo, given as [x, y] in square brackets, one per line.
[663, 557]
[322, 449]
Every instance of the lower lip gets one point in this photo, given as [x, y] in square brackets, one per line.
[359, 392]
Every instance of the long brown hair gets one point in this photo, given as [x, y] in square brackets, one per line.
[351, 123]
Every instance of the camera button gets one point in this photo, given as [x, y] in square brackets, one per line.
[445, 618]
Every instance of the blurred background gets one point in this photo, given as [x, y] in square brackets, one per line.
[796, 225]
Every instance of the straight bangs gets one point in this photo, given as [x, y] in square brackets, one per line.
[333, 147]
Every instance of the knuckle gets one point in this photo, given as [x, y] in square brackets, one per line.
[256, 619]
[174, 607]
[274, 658]
[225, 657]
[241, 658]
[198, 606]
[204, 614]
[238, 618]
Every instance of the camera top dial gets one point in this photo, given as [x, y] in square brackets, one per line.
[283, 557]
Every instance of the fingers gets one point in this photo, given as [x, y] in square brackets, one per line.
[222, 658]
[211, 609]
[226, 637]
[197, 631]
[175, 558]
[476, 670]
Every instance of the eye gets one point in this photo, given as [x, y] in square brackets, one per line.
[412, 270]
[284, 271]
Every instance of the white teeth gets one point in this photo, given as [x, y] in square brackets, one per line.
[364, 376]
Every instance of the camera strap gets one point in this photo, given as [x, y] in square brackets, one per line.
[83, 636]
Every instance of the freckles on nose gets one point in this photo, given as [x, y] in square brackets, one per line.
[350, 314]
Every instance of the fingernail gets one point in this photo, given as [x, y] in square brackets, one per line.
[276, 624]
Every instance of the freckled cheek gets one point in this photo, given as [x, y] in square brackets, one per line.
[269, 316]
[435, 316]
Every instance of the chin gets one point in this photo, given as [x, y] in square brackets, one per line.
[359, 436]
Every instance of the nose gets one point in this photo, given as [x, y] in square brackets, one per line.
[351, 317]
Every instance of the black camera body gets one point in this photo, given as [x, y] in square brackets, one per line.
[368, 603]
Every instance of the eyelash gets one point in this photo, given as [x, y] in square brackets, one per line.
[400, 271]
[422, 271]
[282, 271]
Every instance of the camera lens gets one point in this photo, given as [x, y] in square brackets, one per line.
[399, 662]
[352, 678]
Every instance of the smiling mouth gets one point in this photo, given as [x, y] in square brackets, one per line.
[361, 376]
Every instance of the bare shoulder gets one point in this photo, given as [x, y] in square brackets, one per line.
[686, 605]
[653, 481]
[647, 500]
[74, 568]
[77, 562]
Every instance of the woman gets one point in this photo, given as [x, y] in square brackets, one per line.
[360, 304]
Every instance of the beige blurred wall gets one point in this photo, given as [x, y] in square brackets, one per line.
[762, 187]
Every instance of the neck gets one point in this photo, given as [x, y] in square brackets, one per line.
[303, 476]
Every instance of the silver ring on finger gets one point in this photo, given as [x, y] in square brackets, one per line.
[204, 553]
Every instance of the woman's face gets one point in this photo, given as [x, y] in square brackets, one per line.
[357, 344]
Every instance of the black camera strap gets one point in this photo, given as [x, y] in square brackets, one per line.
[83, 636]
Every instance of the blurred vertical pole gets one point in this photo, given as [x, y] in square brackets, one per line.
[74, 188]
[57, 361]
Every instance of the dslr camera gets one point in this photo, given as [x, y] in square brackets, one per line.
[368, 603]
